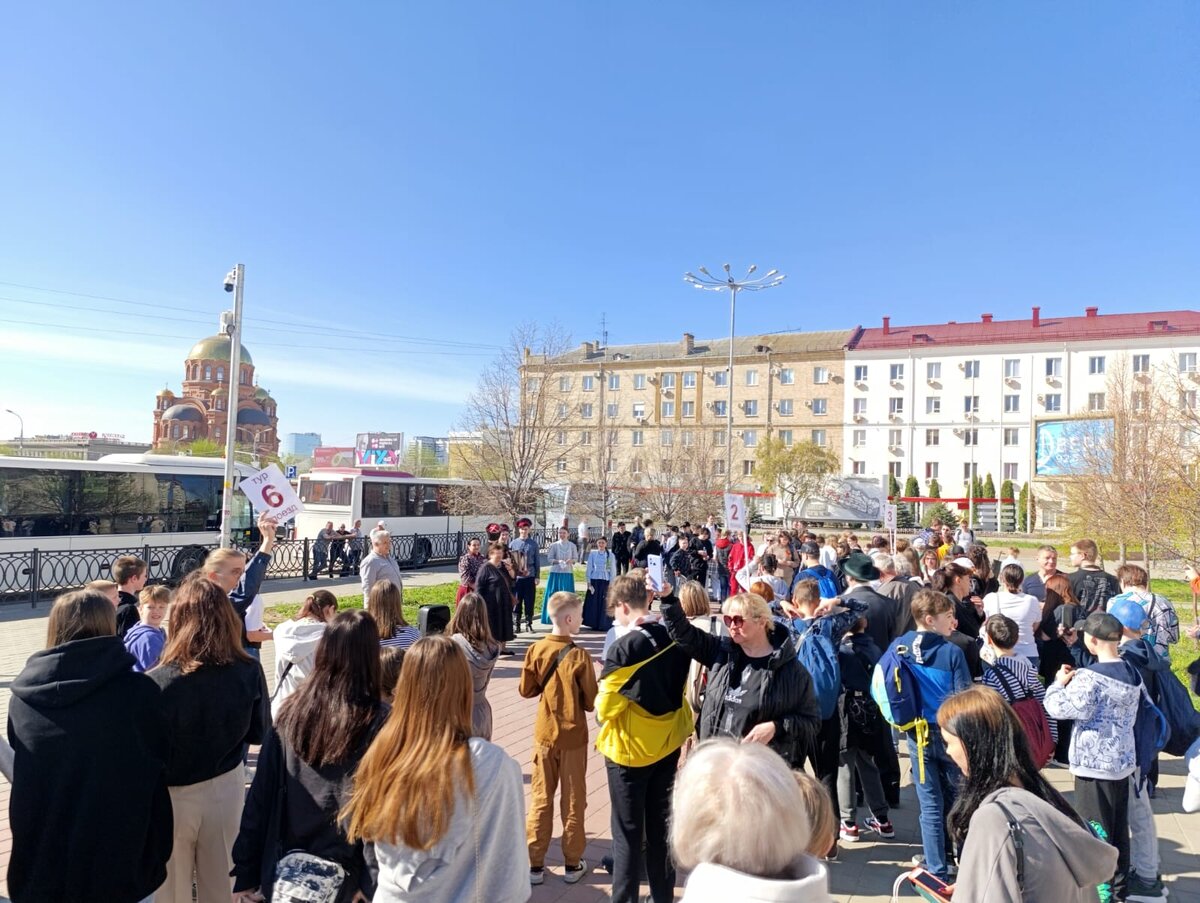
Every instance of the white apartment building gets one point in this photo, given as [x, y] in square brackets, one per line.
[943, 401]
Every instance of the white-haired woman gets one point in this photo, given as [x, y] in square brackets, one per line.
[724, 796]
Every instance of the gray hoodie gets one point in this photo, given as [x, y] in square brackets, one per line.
[1064, 862]
[295, 644]
[482, 858]
[481, 664]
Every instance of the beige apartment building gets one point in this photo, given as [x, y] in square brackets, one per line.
[626, 413]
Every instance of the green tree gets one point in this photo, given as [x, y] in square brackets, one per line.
[935, 491]
[893, 487]
[1024, 507]
[797, 472]
[989, 488]
[940, 511]
[1006, 492]
[912, 489]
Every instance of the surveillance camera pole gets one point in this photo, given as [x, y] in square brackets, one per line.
[234, 331]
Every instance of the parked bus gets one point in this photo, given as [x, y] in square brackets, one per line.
[79, 516]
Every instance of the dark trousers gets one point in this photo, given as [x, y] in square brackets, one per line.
[641, 803]
[525, 590]
[887, 761]
[1105, 804]
[320, 558]
[622, 566]
[824, 755]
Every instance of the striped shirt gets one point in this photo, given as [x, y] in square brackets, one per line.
[402, 638]
[1024, 676]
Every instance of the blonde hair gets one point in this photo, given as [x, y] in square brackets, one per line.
[405, 786]
[218, 557]
[819, 807]
[102, 586]
[560, 602]
[156, 593]
[694, 600]
[385, 602]
[749, 606]
[723, 796]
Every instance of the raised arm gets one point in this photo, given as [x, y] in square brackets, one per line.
[703, 647]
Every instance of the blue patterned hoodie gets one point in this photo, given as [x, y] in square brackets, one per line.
[1103, 702]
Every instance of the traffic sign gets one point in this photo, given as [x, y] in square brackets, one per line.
[269, 490]
[292, 472]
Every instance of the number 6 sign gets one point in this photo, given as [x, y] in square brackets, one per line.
[268, 490]
[735, 511]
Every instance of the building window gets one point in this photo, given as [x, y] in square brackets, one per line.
[1095, 401]
[639, 410]
[1096, 365]
[933, 437]
[208, 372]
[860, 407]
[668, 409]
[636, 465]
[1012, 404]
[666, 438]
[750, 438]
[561, 465]
[820, 375]
[718, 467]
[785, 407]
[1141, 400]
[860, 438]
[533, 384]
[820, 407]
[971, 436]
[720, 378]
[1012, 436]
[894, 469]
[858, 468]
[564, 384]
[931, 470]
[896, 405]
[1053, 367]
[1012, 368]
[896, 372]
[787, 377]
[585, 463]
[1141, 363]
[610, 411]
[689, 409]
[719, 438]
[585, 437]
[668, 380]
[721, 408]
[561, 437]
[970, 404]
[1054, 402]
[971, 369]
[1187, 362]
[860, 373]
[933, 370]
[1187, 399]
[751, 408]
[639, 380]
[562, 410]
[589, 384]
[174, 430]
[895, 439]
[752, 377]
[611, 466]
[614, 382]
[685, 466]
[639, 437]
[785, 436]
[970, 471]
[689, 379]
[933, 404]
[220, 374]
[1010, 471]
[585, 410]
[687, 438]
[818, 438]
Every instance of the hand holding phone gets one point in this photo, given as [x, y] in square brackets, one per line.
[929, 886]
[654, 572]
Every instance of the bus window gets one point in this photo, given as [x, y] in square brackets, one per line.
[385, 500]
[326, 492]
[36, 502]
[432, 503]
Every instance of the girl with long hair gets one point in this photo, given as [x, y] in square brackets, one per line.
[929, 566]
[1019, 839]
[214, 694]
[296, 641]
[470, 629]
[443, 811]
[386, 605]
[307, 763]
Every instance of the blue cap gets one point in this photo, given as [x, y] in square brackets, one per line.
[1131, 615]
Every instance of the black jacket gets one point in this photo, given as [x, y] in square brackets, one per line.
[304, 816]
[785, 695]
[619, 545]
[212, 713]
[90, 813]
[884, 614]
[689, 565]
[644, 548]
[127, 613]
[1093, 587]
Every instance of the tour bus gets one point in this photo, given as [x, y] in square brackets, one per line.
[79, 516]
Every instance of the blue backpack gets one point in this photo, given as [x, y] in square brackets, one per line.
[1181, 716]
[826, 582]
[820, 660]
[1151, 731]
[895, 690]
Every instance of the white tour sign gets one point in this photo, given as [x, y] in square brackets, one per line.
[889, 517]
[735, 511]
[269, 490]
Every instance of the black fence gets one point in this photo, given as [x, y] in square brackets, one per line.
[40, 574]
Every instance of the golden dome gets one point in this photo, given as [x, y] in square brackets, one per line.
[216, 348]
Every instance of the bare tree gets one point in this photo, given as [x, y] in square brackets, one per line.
[797, 472]
[520, 421]
[676, 482]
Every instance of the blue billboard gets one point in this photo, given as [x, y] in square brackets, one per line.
[1071, 448]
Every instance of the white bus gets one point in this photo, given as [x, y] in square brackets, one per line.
[80, 515]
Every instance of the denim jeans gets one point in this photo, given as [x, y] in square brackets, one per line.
[935, 795]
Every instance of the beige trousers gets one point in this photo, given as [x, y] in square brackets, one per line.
[207, 816]
[553, 767]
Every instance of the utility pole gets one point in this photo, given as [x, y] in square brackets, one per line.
[233, 328]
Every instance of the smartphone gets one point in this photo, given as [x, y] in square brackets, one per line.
[929, 886]
[1068, 616]
[654, 570]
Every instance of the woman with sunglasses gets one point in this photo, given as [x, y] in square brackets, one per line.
[757, 689]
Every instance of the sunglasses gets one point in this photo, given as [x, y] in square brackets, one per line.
[733, 621]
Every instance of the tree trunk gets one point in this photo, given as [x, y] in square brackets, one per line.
[1121, 554]
[1146, 558]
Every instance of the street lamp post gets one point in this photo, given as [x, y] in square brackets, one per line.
[21, 437]
[233, 328]
[708, 282]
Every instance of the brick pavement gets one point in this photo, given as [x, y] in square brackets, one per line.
[863, 875]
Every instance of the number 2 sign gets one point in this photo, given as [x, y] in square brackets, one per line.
[268, 490]
[735, 511]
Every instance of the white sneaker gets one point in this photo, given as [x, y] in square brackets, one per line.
[537, 876]
[572, 875]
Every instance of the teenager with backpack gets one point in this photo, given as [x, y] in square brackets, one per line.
[1013, 677]
[828, 581]
[913, 678]
[1018, 838]
[1163, 631]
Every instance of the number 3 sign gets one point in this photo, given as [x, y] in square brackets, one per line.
[735, 511]
[269, 490]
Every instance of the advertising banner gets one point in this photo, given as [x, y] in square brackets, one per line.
[1068, 448]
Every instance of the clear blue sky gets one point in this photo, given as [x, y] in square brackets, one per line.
[445, 170]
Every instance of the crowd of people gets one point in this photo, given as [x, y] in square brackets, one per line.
[748, 709]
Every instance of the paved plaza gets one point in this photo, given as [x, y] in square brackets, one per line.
[864, 873]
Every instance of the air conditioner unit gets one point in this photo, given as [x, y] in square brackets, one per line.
[1194, 375]
[1051, 379]
[640, 418]
[860, 384]
[1012, 381]
[893, 417]
[860, 418]
[1041, 399]
[808, 404]
[895, 449]
[711, 405]
[932, 382]
[897, 384]
[959, 432]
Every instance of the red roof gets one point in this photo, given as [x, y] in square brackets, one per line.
[1036, 328]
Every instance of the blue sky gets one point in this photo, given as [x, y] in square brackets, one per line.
[442, 171]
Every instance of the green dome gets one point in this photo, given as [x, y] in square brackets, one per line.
[259, 392]
[216, 348]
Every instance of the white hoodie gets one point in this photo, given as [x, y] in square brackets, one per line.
[295, 642]
[710, 883]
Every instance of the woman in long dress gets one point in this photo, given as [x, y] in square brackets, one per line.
[494, 584]
[601, 569]
[563, 555]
